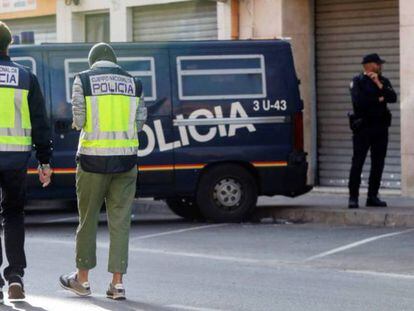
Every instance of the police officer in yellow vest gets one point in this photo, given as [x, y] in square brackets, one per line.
[23, 124]
[108, 106]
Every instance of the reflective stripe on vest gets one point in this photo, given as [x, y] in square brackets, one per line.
[110, 127]
[15, 125]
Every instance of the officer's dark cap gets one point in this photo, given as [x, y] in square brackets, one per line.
[5, 36]
[101, 51]
[372, 58]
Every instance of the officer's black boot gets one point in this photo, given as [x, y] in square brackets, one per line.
[353, 203]
[374, 201]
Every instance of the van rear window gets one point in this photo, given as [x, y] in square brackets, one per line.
[221, 77]
[141, 67]
[26, 61]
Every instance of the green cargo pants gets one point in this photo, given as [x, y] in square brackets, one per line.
[118, 192]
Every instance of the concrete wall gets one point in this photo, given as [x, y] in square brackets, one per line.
[295, 19]
[260, 19]
[71, 19]
[303, 43]
[407, 95]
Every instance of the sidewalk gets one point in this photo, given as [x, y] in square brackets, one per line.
[331, 208]
[319, 206]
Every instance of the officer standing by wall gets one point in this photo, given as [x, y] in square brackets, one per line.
[370, 92]
[23, 124]
[108, 106]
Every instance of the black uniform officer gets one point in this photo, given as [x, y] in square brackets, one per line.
[23, 124]
[370, 92]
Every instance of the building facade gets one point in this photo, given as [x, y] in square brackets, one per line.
[38, 16]
[329, 38]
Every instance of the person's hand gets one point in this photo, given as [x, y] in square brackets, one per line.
[45, 175]
[381, 99]
[375, 78]
[74, 127]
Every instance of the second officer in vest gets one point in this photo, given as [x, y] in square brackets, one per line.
[108, 107]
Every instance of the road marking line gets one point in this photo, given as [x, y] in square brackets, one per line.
[382, 274]
[155, 235]
[356, 244]
[105, 245]
[203, 256]
[58, 220]
[48, 240]
[182, 307]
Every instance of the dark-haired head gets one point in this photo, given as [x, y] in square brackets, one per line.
[5, 38]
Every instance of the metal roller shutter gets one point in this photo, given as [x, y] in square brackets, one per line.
[44, 27]
[345, 31]
[192, 20]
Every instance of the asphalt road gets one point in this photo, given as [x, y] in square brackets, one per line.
[177, 265]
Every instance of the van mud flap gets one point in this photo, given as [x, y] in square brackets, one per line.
[296, 175]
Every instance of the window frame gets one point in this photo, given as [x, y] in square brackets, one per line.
[145, 73]
[233, 71]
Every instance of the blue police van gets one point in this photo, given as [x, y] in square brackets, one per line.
[225, 122]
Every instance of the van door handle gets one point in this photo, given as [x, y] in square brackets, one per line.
[63, 126]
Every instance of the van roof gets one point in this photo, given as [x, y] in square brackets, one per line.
[163, 44]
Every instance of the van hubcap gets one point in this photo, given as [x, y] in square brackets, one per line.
[228, 193]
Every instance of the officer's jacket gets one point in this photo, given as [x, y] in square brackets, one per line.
[103, 160]
[24, 118]
[365, 99]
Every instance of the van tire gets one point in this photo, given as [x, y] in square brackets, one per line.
[227, 193]
[185, 208]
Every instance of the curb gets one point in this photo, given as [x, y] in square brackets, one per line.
[344, 191]
[387, 217]
[330, 215]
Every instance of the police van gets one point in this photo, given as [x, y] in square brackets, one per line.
[225, 122]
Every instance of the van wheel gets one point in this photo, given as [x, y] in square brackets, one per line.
[185, 207]
[227, 193]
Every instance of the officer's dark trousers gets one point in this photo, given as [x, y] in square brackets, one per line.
[376, 140]
[13, 186]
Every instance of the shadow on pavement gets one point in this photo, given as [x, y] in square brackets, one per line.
[21, 306]
[126, 305]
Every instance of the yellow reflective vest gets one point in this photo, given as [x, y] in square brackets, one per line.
[15, 125]
[112, 99]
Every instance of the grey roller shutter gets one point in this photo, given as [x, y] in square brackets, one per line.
[345, 31]
[44, 27]
[190, 20]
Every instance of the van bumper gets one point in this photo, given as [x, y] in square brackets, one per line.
[290, 180]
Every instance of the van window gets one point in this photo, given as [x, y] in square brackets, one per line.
[221, 77]
[26, 61]
[141, 67]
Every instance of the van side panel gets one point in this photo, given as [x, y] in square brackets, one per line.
[263, 139]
